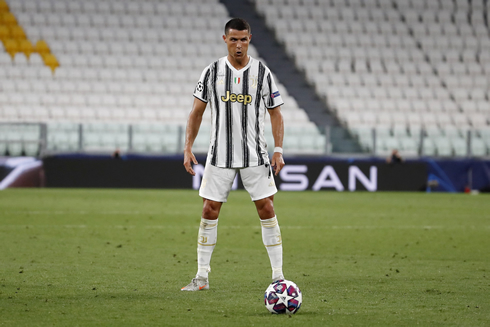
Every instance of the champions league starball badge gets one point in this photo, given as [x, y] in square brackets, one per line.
[199, 87]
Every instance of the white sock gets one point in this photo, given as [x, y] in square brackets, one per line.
[206, 241]
[271, 236]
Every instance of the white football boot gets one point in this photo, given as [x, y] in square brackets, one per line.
[197, 284]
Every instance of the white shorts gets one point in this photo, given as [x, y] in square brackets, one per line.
[217, 182]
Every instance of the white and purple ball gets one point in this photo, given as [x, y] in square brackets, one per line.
[283, 296]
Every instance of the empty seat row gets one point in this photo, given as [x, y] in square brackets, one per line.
[151, 34]
[428, 141]
[127, 21]
[417, 132]
[339, 79]
[29, 88]
[76, 73]
[412, 106]
[20, 63]
[426, 94]
[207, 7]
[94, 113]
[435, 29]
[441, 5]
[368, 67]
[127, 61]
[431, 11]
[132, 48]
[359, 4]
[123, 112]
[401, 81]
[94, 99]
[353, 119]
[428, 147]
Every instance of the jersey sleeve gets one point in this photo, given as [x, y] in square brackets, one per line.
[270, 92]
[201, 90]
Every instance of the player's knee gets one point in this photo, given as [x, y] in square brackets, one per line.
[211, 210]
[266, 212]
[265, 208]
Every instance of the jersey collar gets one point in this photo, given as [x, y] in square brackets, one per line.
[238, 70]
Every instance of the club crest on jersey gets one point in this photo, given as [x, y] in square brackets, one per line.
[253, 81]
[245, 99]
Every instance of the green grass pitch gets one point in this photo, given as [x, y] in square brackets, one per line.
[120, 257]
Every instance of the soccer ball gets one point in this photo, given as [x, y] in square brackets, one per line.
[283, 296]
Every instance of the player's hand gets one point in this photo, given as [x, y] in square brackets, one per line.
[188, 158]
[277, 162]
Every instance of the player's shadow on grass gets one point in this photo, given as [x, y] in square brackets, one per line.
[299, 313]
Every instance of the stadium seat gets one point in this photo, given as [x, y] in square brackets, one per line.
[443, 146]
[459, 146]
[478, 147]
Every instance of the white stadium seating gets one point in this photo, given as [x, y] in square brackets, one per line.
[391, 65]
[382, 63]
[120, 62]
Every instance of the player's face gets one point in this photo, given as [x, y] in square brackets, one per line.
[237, 43]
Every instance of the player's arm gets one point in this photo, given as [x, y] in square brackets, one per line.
[277, 123]
[193, 124]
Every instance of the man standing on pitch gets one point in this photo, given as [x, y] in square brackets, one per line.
[239, 89]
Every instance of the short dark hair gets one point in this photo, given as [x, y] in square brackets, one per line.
[238, 24]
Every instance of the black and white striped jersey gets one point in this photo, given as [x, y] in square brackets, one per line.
[238, 100]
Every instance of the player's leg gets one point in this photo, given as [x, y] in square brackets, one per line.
[259, 182]
[215, 187]
[206, 241]
[271, 235]
[207, 236]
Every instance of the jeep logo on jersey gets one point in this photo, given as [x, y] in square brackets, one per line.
[245, 99]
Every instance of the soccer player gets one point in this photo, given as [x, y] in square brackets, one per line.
[238, 89]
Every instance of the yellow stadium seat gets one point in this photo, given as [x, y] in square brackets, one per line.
[51, 61]
[11, 46]
[17, 32]
[4, 33]
[26, 47]
[4, 7]
[42, 47]
[8, 19]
